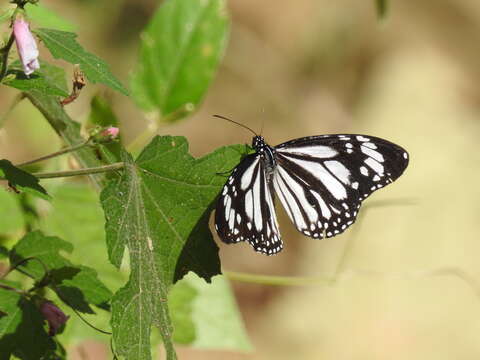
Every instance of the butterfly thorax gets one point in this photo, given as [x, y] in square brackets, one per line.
[266, 152]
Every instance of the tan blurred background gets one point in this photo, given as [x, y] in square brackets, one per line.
[405, 278]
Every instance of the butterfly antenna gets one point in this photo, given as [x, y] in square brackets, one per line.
[239, 124]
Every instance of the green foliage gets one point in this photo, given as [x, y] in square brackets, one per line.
[67, 129]
[63, 45]
[180, 52]
[77, 285]
[21, 180]
[21, 329]
[75, 214]
[49, 79]
[159, 209]
[44, 17]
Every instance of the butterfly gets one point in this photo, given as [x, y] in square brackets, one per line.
[321, 182]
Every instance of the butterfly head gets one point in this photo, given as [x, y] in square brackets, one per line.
[258, 143]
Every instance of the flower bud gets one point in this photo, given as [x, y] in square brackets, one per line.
[110, 132]
[26, 46]
[54, 316]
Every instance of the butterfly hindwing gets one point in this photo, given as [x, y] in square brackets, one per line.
[322, 180]
[245, 209]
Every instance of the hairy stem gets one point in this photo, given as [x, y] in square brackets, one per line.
[69, 131]
[4, 56]
[86, 171]
[55, 154]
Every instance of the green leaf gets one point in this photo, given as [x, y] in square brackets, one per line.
[75, 214]
[180, 52]
[12, 218]
[159, 209]
[49, 79]
[77, 286]
[63, 45]
[209, 313]
[382, 8]
[21, 180]
[44, 17]
[21, 330]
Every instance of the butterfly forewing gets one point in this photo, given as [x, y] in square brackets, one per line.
[322, 180]
[245, 209]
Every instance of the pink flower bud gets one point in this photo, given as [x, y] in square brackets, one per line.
[111, 132]
[26, 46]
[54, 316]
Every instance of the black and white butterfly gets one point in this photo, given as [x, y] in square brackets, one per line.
[320, 181]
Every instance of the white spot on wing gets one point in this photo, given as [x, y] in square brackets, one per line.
[373, 153]
[364, 170]
[370, 145]
[362, 138]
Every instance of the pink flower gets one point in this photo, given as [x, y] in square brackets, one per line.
[54, 316]
[26, 46]
[111, 132]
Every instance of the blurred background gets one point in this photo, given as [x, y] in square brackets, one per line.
[403, 283]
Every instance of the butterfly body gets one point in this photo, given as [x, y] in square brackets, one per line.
[320, 181]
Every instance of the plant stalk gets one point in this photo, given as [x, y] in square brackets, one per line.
[57, 153]
[4, 56]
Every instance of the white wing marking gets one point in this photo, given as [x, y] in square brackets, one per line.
[339, 170]
[249, 204]
[326, 213]
[375, 165]
[257, 206]
[319, 171]
[247, 175]
[288, 201]
[319, 151]
[372, 153]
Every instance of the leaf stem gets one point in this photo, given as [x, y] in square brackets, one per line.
[276, 280]
[57, 153]
[9, 288]
[86, 171]
[4, 56]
